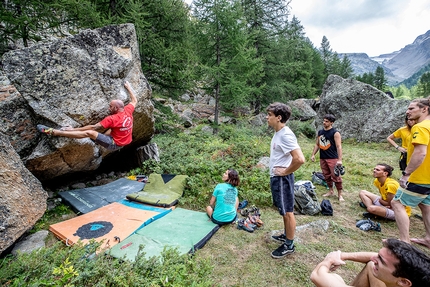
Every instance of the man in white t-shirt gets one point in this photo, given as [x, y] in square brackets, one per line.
[285, 158]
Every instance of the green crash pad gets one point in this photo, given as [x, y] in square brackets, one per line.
[183, 229]
[160, 190]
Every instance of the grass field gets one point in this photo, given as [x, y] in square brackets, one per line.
[243, 259]
[232, 257]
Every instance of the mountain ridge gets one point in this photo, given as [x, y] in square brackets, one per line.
[398, 65]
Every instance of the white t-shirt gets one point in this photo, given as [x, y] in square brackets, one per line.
[283, 142]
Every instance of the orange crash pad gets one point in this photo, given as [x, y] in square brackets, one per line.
[111, 223]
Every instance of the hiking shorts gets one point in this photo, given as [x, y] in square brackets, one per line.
[411, 198]
[283, 193]
[389, 213]
[106, 142]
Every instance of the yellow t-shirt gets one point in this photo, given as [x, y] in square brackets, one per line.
[421, 135]
[390, 186]
[405, 134]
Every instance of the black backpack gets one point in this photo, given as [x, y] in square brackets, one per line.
[326, 208]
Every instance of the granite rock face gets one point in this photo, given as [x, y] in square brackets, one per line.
[22, 198]
[70, 82]
[362, 112]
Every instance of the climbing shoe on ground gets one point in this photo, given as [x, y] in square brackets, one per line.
[244, 212]
[242, 204]
[280, 238]
[253, 210]
[339, 170]
[367, 224]
[283, 251]
[242, 224]
[362, 204]
[46, 130]
[255, 219]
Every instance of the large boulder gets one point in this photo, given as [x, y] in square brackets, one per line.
[71, 81]
[362, 112]
[22, 198]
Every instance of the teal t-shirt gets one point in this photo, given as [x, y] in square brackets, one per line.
[225, 203]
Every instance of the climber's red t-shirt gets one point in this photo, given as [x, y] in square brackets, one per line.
[121, 125]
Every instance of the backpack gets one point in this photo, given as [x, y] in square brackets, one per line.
[305, 198]
[402, 160]
[318, 178]
[326, 208]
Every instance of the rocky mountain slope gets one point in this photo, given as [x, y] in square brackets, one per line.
[398, 65]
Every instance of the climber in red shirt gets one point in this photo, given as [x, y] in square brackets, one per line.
[119, 125]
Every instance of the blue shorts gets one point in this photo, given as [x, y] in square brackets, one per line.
[411, 198]
[283, 193]
[107, 142]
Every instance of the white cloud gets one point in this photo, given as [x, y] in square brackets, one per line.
[367, 26]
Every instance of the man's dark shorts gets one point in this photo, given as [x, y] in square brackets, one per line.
[106, 142]
[283, 193]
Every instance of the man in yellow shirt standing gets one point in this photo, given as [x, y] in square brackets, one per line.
[381, 205]
[415, 181]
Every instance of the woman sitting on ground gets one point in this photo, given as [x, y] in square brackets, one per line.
[222, 208]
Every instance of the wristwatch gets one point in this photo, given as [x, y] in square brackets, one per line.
[405, 174]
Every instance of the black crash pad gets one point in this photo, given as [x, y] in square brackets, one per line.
[91, 198]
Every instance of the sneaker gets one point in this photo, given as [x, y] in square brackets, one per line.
[283, 251]
[45, 130]
[280, 238]
[362, 204]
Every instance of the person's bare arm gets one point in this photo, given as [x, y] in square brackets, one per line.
[131, 92]
[212, 201]
[338, 142]
[417, 157]
[390, 139]
[298, 160]
[315, 150]
[321, 276]
[387, 203]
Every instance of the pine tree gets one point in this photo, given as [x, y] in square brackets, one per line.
[228, 61]
[380, 82]
[326, 55]
[346, 70]
[424, 85]
[267, 22]
[26, 22]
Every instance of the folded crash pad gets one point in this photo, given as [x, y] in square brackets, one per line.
[91, 198]
[161, 190]
[111, 223]
[183, 229]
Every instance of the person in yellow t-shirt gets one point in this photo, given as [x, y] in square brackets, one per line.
[404, 133]
[387, 187]
[415, 180]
